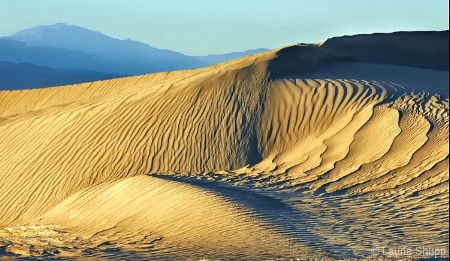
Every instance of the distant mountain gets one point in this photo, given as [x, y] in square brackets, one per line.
[63, 54]
[25, 75]
[20, 52]
[219, 58]
[81, 48]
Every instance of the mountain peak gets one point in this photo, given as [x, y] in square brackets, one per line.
[62, 35]
[125, 57]
[60, 25]
[46, 29]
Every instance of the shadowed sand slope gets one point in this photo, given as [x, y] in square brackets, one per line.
[415, 49]
[307, 151]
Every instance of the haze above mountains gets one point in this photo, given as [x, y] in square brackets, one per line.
[65, 54]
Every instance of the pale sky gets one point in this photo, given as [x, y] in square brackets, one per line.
[200, 27]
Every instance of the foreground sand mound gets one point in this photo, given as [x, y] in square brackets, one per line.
[317, 144]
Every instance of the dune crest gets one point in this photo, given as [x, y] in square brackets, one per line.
[278, 152]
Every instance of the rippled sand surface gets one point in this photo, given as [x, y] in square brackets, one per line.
[308, 151]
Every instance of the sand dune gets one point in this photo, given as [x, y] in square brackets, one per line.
[307, 151]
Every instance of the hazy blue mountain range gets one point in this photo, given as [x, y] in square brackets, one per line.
[20, 52]
[62, 46]
[86, 49]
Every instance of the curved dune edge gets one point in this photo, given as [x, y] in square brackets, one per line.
[143, 213]
[336, 151]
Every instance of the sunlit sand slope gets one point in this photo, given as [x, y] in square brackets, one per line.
[16, 102]
[307, 151]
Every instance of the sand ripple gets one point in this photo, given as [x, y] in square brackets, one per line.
[233, 161]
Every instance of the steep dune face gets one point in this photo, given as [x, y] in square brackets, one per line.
[143, 135]
[303, 133]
